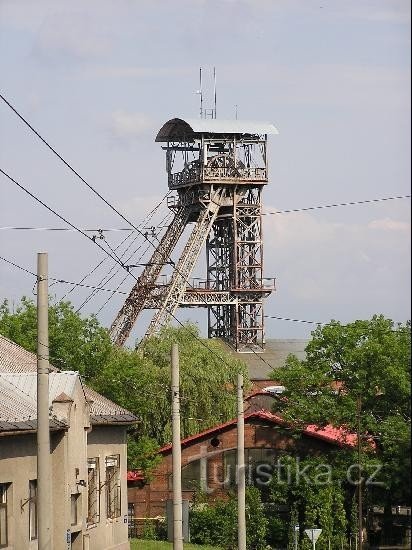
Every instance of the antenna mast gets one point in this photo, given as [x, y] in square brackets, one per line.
[201, 92]
[214, 89]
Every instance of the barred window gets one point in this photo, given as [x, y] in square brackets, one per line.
[113, 502]
[93, 491]
[33, 509]
[3, 514]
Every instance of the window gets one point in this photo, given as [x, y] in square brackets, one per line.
[3, 514]
[33, 509]
[93, 490]
[113, 486]
[74, 507]
[259, 464]
[190, 476]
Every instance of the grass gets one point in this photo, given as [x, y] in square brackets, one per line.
[137, 544]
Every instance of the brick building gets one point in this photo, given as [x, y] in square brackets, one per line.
[209, 458]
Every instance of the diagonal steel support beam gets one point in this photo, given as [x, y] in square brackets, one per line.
[187, 262]
[141, 292]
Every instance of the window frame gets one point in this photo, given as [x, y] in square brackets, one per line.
[93, 498]
[4, 488]
[33, 516]
[113, 487]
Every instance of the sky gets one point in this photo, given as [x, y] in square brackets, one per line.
[99, 78]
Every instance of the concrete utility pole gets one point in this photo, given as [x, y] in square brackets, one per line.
[176, 454]
[44, 504]
[241, 478]
[359, 442]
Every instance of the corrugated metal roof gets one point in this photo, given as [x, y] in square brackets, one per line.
[16, 360]
[18, 410]
[178, 128]
[59, 382]
[276, 352]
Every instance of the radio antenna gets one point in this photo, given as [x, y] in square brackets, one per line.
[214, 89]
[201, 92]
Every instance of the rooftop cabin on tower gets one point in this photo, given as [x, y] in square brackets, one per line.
[221, 151]
[218, 169]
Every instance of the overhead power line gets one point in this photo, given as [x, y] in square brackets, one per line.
[57, 214]
[62, 281]
[68, 165]
[294, 320]
[86, 230]
[336, 205]
[130, 229]
[97, 244]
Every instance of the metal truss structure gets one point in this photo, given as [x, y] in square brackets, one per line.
[223, 168]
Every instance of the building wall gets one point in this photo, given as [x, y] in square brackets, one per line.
[150, 500]
[109, 533]
[70, 450]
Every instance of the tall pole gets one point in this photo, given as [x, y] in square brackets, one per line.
[44, 505]
[360, 522]
[241, 478]
[214, 89]
[176, 454]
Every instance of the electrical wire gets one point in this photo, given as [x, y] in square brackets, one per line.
[93, 269]
[56, 213]
[304, 209]
[106, 278]
[294, 320]
[68, 165]
[86, 230]
[145, 220]
[352, 203]
[96, 243]
[124, 279]
[62, 281]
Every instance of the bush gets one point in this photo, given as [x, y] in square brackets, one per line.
[215, 523]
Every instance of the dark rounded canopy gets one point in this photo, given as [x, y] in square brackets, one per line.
[178, 129]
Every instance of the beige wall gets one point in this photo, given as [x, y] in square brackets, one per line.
[109, 533]
[70, 450]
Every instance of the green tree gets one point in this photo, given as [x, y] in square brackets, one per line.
[367, 360]
[215, 522]
[75, 343]
[138, 380]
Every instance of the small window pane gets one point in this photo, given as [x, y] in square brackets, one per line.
[3, 514]
[113, 496]
[33, 509]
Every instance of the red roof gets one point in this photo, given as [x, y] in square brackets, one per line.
[336, 436]
[135, 475]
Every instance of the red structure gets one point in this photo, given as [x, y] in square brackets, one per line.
[209, 458]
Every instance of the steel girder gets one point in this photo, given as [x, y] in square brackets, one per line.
[141, 292]
[187, 261]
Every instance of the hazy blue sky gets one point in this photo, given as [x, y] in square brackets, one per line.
[98, 79]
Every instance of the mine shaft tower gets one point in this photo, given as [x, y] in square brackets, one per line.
[218, 170]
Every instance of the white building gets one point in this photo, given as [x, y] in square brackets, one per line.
[88, 455]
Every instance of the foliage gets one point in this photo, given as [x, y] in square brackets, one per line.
[314, 496]
[215, 522]
[367, 360]
[75, 343]
[138, 544]
[138, 380]
[142, 454]
[149, 531]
